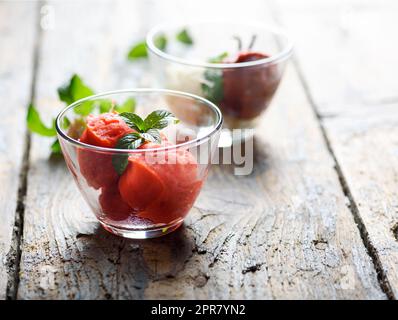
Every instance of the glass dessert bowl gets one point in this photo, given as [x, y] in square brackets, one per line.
[139, 157]
[236, 66]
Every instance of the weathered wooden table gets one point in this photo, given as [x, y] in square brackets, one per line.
[316, 219]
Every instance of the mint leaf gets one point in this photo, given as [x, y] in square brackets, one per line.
[56, 147]
[213, 87]
[184, 37]
[85, 108]
[129, 141]
[152, 135]
[155, 133]
[219, 58]
[160, 42]
[159, 119]
[104, 105]
[127, 106]
[36, 125]
[120, 162]
[139, 50]
[65, 123]
[74, 90]
[147, 131]
[134, 121]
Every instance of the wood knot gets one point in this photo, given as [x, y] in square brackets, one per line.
[394, 230]
[201, 280]
[320, 244]
[252, 268]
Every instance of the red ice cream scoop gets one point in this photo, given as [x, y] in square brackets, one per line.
[248, 90]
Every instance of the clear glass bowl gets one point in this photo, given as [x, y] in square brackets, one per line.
[160, 184]
[241, 90]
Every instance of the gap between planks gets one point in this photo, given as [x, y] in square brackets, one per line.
[14, 255]
[372, 252]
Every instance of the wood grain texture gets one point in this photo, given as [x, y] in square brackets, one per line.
[355, 94]
[285, 231]
[16, 58]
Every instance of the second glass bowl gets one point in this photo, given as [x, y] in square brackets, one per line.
[219, 65]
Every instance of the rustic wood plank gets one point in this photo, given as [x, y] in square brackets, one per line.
[17, 35]
[283, 232]
[355, 94]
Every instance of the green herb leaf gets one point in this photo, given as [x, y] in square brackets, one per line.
[213, 87]
[159, 119]
[104, 105]
[133, 121]
[56, 147]
[36, 125]
[74, 90]
[155, 133]
[85, 108]
[129, 141]
[65, 123]
[152, 135]
[139, 50]
[127, 106]
[184, 37]
[160, 42]
[148, 130]
[219, 58]
[120, 162]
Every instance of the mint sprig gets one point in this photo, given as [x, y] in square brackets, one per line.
[146, 130]
[129, 141]
[36, 125]
[71, 91]
[140, 50]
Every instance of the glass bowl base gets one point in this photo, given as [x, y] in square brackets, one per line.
[142, 233]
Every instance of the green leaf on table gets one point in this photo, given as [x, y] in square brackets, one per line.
[127, 106]
[74, 90]
[133, 120]
[213, 86]
[85, 108]
[184, 37]
[129, 141]
[36, 125]
[160, 42]
[218, 59]
[159, 119]
[104, 105]
[139, 50]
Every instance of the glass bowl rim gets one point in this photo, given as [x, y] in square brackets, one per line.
[285, 52]
[217, 127]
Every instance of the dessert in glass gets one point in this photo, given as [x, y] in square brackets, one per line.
[236, 66]
[140, 172]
